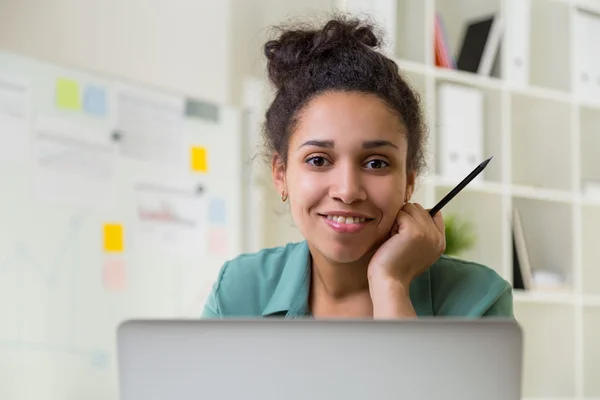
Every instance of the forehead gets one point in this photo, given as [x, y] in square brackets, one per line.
[347, 118]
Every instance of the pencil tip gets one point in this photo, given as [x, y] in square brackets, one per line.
[483, 164]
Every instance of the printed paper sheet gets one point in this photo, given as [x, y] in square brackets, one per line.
[73, 164]
[14, 110]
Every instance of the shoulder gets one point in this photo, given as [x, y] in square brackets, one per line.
[470, 289]
[246, 284]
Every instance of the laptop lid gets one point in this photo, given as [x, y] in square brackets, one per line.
[274, 359]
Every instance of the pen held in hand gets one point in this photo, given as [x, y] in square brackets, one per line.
[459, 187]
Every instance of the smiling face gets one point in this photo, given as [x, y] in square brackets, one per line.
[346, 175]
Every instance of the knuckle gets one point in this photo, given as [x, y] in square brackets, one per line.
[442, 244]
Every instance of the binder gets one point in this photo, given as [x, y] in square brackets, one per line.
[480, 45]
[460, 130]
[587, 59]
[517, 33]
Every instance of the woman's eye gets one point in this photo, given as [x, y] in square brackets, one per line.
[377, 164]
[317, 161]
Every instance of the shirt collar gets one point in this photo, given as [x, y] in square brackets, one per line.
[290, 298]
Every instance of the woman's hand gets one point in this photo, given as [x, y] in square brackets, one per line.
[416, 241]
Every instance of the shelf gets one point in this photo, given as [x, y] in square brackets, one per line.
[592, 301]
[467, 78]
[589, 122]
[545, 139]
[589, 5]
[484, 212]
[548, 230]
[590, 218]
[542, 93]
[481, 187]
[541, 143]
[549, 349]
[535, 193]
[421, 194]
[541, 297]
[412, 66]
[550, 23]
[411, 35]
[591, 351]
[456, 14]
[418, 80]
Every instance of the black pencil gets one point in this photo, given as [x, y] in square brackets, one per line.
[459, 187]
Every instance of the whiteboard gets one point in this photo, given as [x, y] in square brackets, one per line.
[118, 201]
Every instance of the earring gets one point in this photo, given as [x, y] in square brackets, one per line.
[283, 196]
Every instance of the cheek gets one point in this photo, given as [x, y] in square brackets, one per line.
[307, 189]
[389, 199]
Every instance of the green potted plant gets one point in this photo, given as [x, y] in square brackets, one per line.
[460, 235]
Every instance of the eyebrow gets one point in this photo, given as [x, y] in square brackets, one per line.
[372, 144]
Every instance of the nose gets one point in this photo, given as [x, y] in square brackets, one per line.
[346, 184]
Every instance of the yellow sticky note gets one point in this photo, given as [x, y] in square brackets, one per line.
[67, 94]
[113, 238]
[199, 158]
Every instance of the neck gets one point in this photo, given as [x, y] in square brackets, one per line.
[338, 281]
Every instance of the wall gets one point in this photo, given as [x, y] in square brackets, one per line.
[252, 23]
[204, 48]
[252, 27]
[183, 45]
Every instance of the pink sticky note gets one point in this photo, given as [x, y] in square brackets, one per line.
[217, 242]
[113, 275]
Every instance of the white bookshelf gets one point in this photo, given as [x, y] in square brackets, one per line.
[545, 140]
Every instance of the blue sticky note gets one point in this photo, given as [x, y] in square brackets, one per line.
[218, 211]
[95, 101]
[99, 360]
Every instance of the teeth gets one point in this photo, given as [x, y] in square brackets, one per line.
[345, 220]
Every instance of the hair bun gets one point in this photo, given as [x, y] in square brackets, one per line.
[295, 48]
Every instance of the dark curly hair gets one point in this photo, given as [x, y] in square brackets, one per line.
[303, 62]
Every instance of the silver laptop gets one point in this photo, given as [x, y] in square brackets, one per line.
[275, 359]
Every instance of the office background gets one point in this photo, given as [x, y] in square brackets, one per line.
[92, 86]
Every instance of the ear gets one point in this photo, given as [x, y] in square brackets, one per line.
[411, 178]
[278, 171]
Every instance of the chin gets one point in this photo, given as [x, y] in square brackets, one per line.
[345, 252]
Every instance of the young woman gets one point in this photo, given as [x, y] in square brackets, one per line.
[346, 137]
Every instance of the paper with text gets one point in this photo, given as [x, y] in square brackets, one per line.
[170, 218]
[151, 127]
[73, 164]
[14, 113]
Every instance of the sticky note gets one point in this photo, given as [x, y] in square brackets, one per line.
[199, 159]
[217, 211]
[67, 94]
[113, 238]
[113, 275]
[99, 359]
[217, 241]
[95, 101]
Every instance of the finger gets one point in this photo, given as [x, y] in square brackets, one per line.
[423, 213]
[406, 210]
[438, 220]
[419, 213]
[404, 219]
